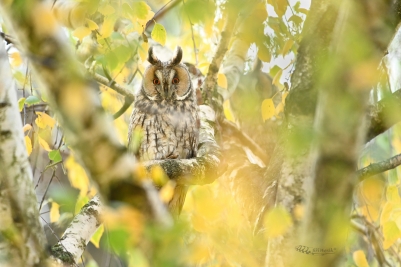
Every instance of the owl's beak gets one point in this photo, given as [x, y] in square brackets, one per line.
[166, 91]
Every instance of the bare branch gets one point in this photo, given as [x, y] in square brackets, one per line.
[379, 167]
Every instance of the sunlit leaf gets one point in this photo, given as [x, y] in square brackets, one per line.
[16, 59]
[264, 53]
[55, 156]
[106, 10]
[82, 200]
[143, 51]
[296, 19]
[158, 176]
[280, 6]
[28, 145]
[81, 32]
[167, 192]
[222, 80]
[276, 79]
[31, 100]
[95, 239]
[277, 222]
[393, 194]
[288, 45]
[159, 34]
[44, 22]
[228, 111]
[107, 27]
[303, 10]
[390, 233]
[199, 10]
[360, 258]
[141, 9]
[26, 127]
[268, 109]
[91, 24]
[373, 190]
[43, 120]
[54, 212]
[44, 144]
[21, 103]
[77, 175]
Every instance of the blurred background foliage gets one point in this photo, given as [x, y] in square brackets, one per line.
[111, 38]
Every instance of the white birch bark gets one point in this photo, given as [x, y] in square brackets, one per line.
[22, 239]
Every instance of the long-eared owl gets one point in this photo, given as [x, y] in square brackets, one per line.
[166, 113]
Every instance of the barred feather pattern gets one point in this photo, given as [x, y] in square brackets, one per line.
[165, 118]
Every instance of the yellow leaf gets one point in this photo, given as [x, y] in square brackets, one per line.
[371, 212]
[392, 194]
[228, 111]
[360, 258]
[81, 201]
[97, 235]
[107, 27]
[390, 233]
[277, 222]
[158, 176]
[91, 24]
[222, 80]
[77, 175]
[54, 212]
[28, 145]
[106, 10]
[44, 144]
[27, 127]
[268, 109]
[299, 211]
[276, 79]
[264, 54]
[287, 47]
[143, 51]
[16, 59]
[373, 190]
[279, 109]
[203, 67]
[284, 97]
[81, 32]
[166, 192]
[44, 120]
[44, 23]
[159, 34]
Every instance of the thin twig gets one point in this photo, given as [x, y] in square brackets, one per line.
[115, 86]
[160, 13]
[193, 39]
[379, 167]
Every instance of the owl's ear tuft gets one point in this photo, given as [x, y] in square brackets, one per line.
[152, 58]
[177, 57]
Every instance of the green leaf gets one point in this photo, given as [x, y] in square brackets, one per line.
[111, 60]
[296, 19]
[199, 10]
[141, 9]
[21, 103]
[97, 235]
[159, 34]
[32, 100]
[55, 156]
[123, 53]
[274, 70]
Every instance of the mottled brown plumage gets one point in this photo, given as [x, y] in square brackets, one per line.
[166, 115]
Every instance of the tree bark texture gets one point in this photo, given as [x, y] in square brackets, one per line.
[22, 236]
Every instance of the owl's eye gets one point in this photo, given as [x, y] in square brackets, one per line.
[176, 80]
[156, 81]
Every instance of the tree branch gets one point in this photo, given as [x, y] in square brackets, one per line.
[384, 114]
[21, 235]
[379, 167]
[78, 234]
[74, 99]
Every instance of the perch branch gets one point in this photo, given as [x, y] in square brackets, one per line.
[384, 114]
[379, 167]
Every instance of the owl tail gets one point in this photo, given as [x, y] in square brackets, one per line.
[177, 202]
